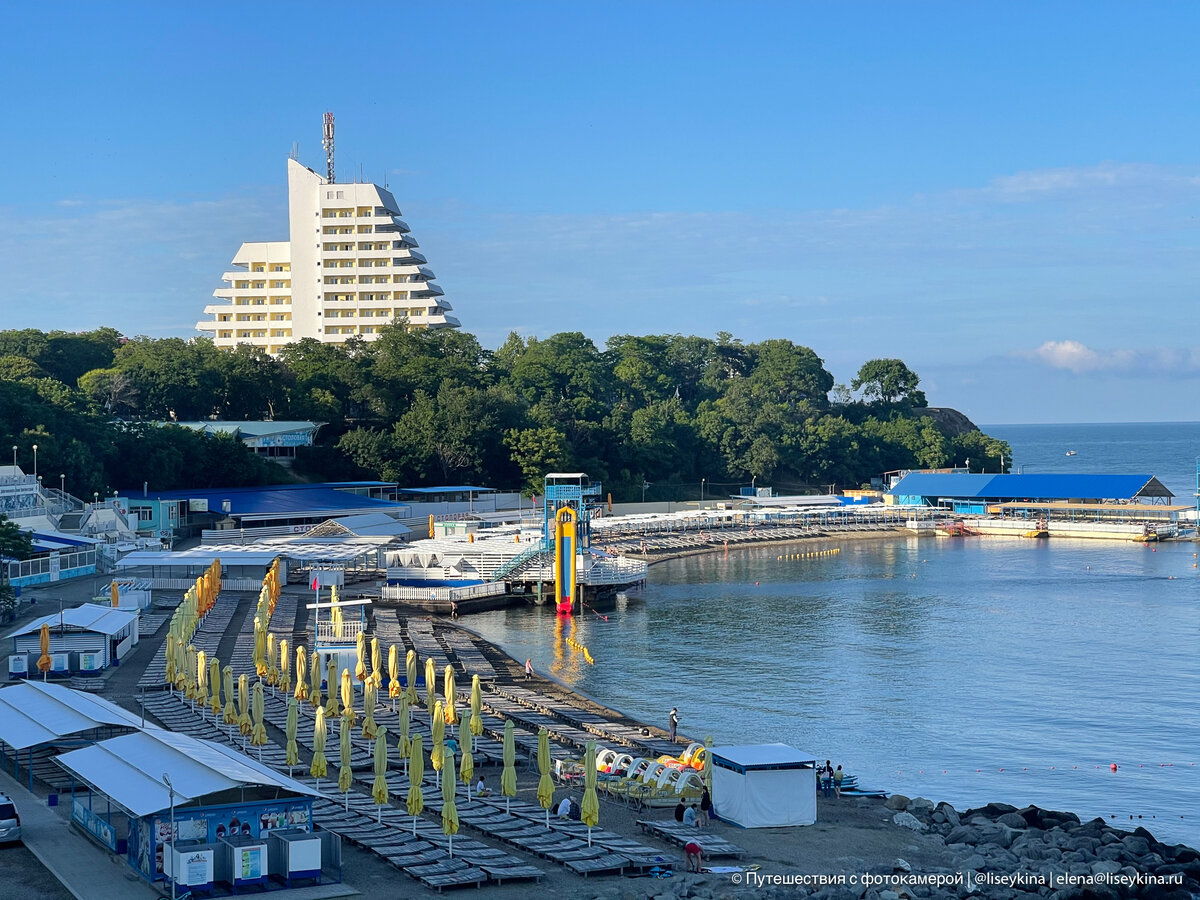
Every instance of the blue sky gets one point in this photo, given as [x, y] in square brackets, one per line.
[1003, 195]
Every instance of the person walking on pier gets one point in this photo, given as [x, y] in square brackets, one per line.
[673, 724]
[528, 669]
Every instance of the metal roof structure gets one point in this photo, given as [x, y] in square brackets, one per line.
[88, 617]
[752, 756]
[280, 501]
[248, 429]
[448, 489]
[1032, 487]
[35, 712]
[129, 770]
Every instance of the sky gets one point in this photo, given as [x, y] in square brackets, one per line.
[1003, 195]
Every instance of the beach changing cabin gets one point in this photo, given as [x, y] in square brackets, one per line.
[764, 785]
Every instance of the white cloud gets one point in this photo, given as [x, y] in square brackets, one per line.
[1151, 362]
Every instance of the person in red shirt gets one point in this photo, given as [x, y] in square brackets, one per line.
[694, 855]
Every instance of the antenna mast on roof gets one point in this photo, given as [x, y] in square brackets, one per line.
[327, 143]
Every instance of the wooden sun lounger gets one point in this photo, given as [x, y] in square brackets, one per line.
[404, 860]
[500, 874]
[437, 879]
[604, 864]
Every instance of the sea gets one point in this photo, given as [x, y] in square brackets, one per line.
[968, 670]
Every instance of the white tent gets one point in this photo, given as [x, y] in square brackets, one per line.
[764, 785]
[34, 713]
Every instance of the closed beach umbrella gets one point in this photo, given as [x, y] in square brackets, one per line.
[415, 801]
[285, 661]
[202, 679]
[437, 745]
[168, 654]
[189, 673]
[116, 594]
[410, 670]
[244, 723]
[394, 688]
[258, 736]
[260, 647]
[402, 744]
[508, 777]
[707, 775]
[230, 715]
[545, 789]
[466, 768]
[379, 788]
[376, 666]
[214, 680]
[590, 807]
[430, 686]
[318, 767]
[293, 721]
[360, 650]
[348, 698]
[301, 673]
[476, 706]
[451, 696]
[368, 727]
[272, 668]
[332, 709]
[314, 688]
[449, 810]
[345, 776]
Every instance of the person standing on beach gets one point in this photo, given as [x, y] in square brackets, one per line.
[673, 724]
[826, 775]
[528, 669]
[706, 807]
[838, 775]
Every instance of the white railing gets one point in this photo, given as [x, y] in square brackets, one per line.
[52, 564]
[346, 633]
[614, 571]
[444, 594]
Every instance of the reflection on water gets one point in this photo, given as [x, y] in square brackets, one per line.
[925, 667]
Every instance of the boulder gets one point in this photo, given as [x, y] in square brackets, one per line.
[1013, 820]
[888, 895]
[1136, 844]
[901, 865]
[919, 806]
[949, 812]
[896, 801]
[908, 820]
[937, 818]
[974, 862]
[963, 834]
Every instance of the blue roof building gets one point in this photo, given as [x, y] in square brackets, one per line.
[970, 492]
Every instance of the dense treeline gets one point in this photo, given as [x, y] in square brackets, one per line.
[436, 407]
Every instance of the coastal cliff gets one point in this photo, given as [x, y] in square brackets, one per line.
[950, 421]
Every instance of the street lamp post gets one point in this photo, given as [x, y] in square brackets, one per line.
[171, 792]
[702, 480]
[62, 484]
[14, 456]
[645, 484]
[35, 460]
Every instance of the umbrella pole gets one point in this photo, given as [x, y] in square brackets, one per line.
[346, 801]
[452, 846]
[379, 815]
[507, 800]
[414, 826]
[589, 835]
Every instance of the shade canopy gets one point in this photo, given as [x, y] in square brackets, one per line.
[37, 712]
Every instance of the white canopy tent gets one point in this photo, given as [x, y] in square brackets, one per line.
[129, 770]
[764, 785]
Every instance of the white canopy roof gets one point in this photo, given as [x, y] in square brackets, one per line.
[36, 712]
[129, 770]
[755, 755]
[89, 617]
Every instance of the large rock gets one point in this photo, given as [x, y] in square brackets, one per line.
[963, 834]
[1136, 844]
[949, 812]
[896, 801]
[919, 806]
[974, 861]
[1013, 820]
[908, 820]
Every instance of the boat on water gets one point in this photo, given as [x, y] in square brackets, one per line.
[1071, 452]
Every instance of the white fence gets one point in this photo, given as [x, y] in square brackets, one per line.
[182, 584]
[444, 594]
[346, 633]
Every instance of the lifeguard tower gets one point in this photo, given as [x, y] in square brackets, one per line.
[336, 623]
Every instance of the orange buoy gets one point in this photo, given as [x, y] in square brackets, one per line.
[1113, 767]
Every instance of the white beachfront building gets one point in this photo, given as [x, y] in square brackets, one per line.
[350, 266]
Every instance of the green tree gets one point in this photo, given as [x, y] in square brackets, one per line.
[889, 381]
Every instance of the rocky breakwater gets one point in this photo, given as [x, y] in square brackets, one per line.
[1004, 852]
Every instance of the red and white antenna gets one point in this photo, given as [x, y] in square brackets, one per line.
[327, 143]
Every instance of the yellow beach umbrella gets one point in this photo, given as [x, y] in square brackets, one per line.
[394, 688]
[314, 689]
[707, 776]
[402, 744]
[451, 695]
[345, 776]
[437, 737]
[214, 680]
[415, 801]
[508, 776]
[332, 709]
[368, 727]
[230, 715]
[449, 810]
[245, 726]
[115, 593]
[181, 664]
[258, 736]
[348, 699]
[260, 647]
[545, 788]
[189, 672]
[169, 653]
[318, 767]
[379, 788]
[293, 721]
[301, 672]
[376, 667]
[430, 686]
[202, 678]
[272, 668]
[476, 706]
[410, 670]
[590, 807]
[466, 769]
[360, 651]
[285, 661]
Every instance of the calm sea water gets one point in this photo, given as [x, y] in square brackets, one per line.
[963, 670]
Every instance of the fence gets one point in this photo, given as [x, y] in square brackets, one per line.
[444, 594]
[54, 567]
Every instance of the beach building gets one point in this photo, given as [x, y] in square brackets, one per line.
[84, 640]
[273, 440]
[350, 266]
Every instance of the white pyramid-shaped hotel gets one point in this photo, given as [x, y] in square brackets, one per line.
[350, 267]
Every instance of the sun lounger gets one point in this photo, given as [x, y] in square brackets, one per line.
[604, 864]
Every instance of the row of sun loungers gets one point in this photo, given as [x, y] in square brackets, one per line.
[469, 655]
[207, 638]
[678, 833]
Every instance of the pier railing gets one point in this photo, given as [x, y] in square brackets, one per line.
[444, 594]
